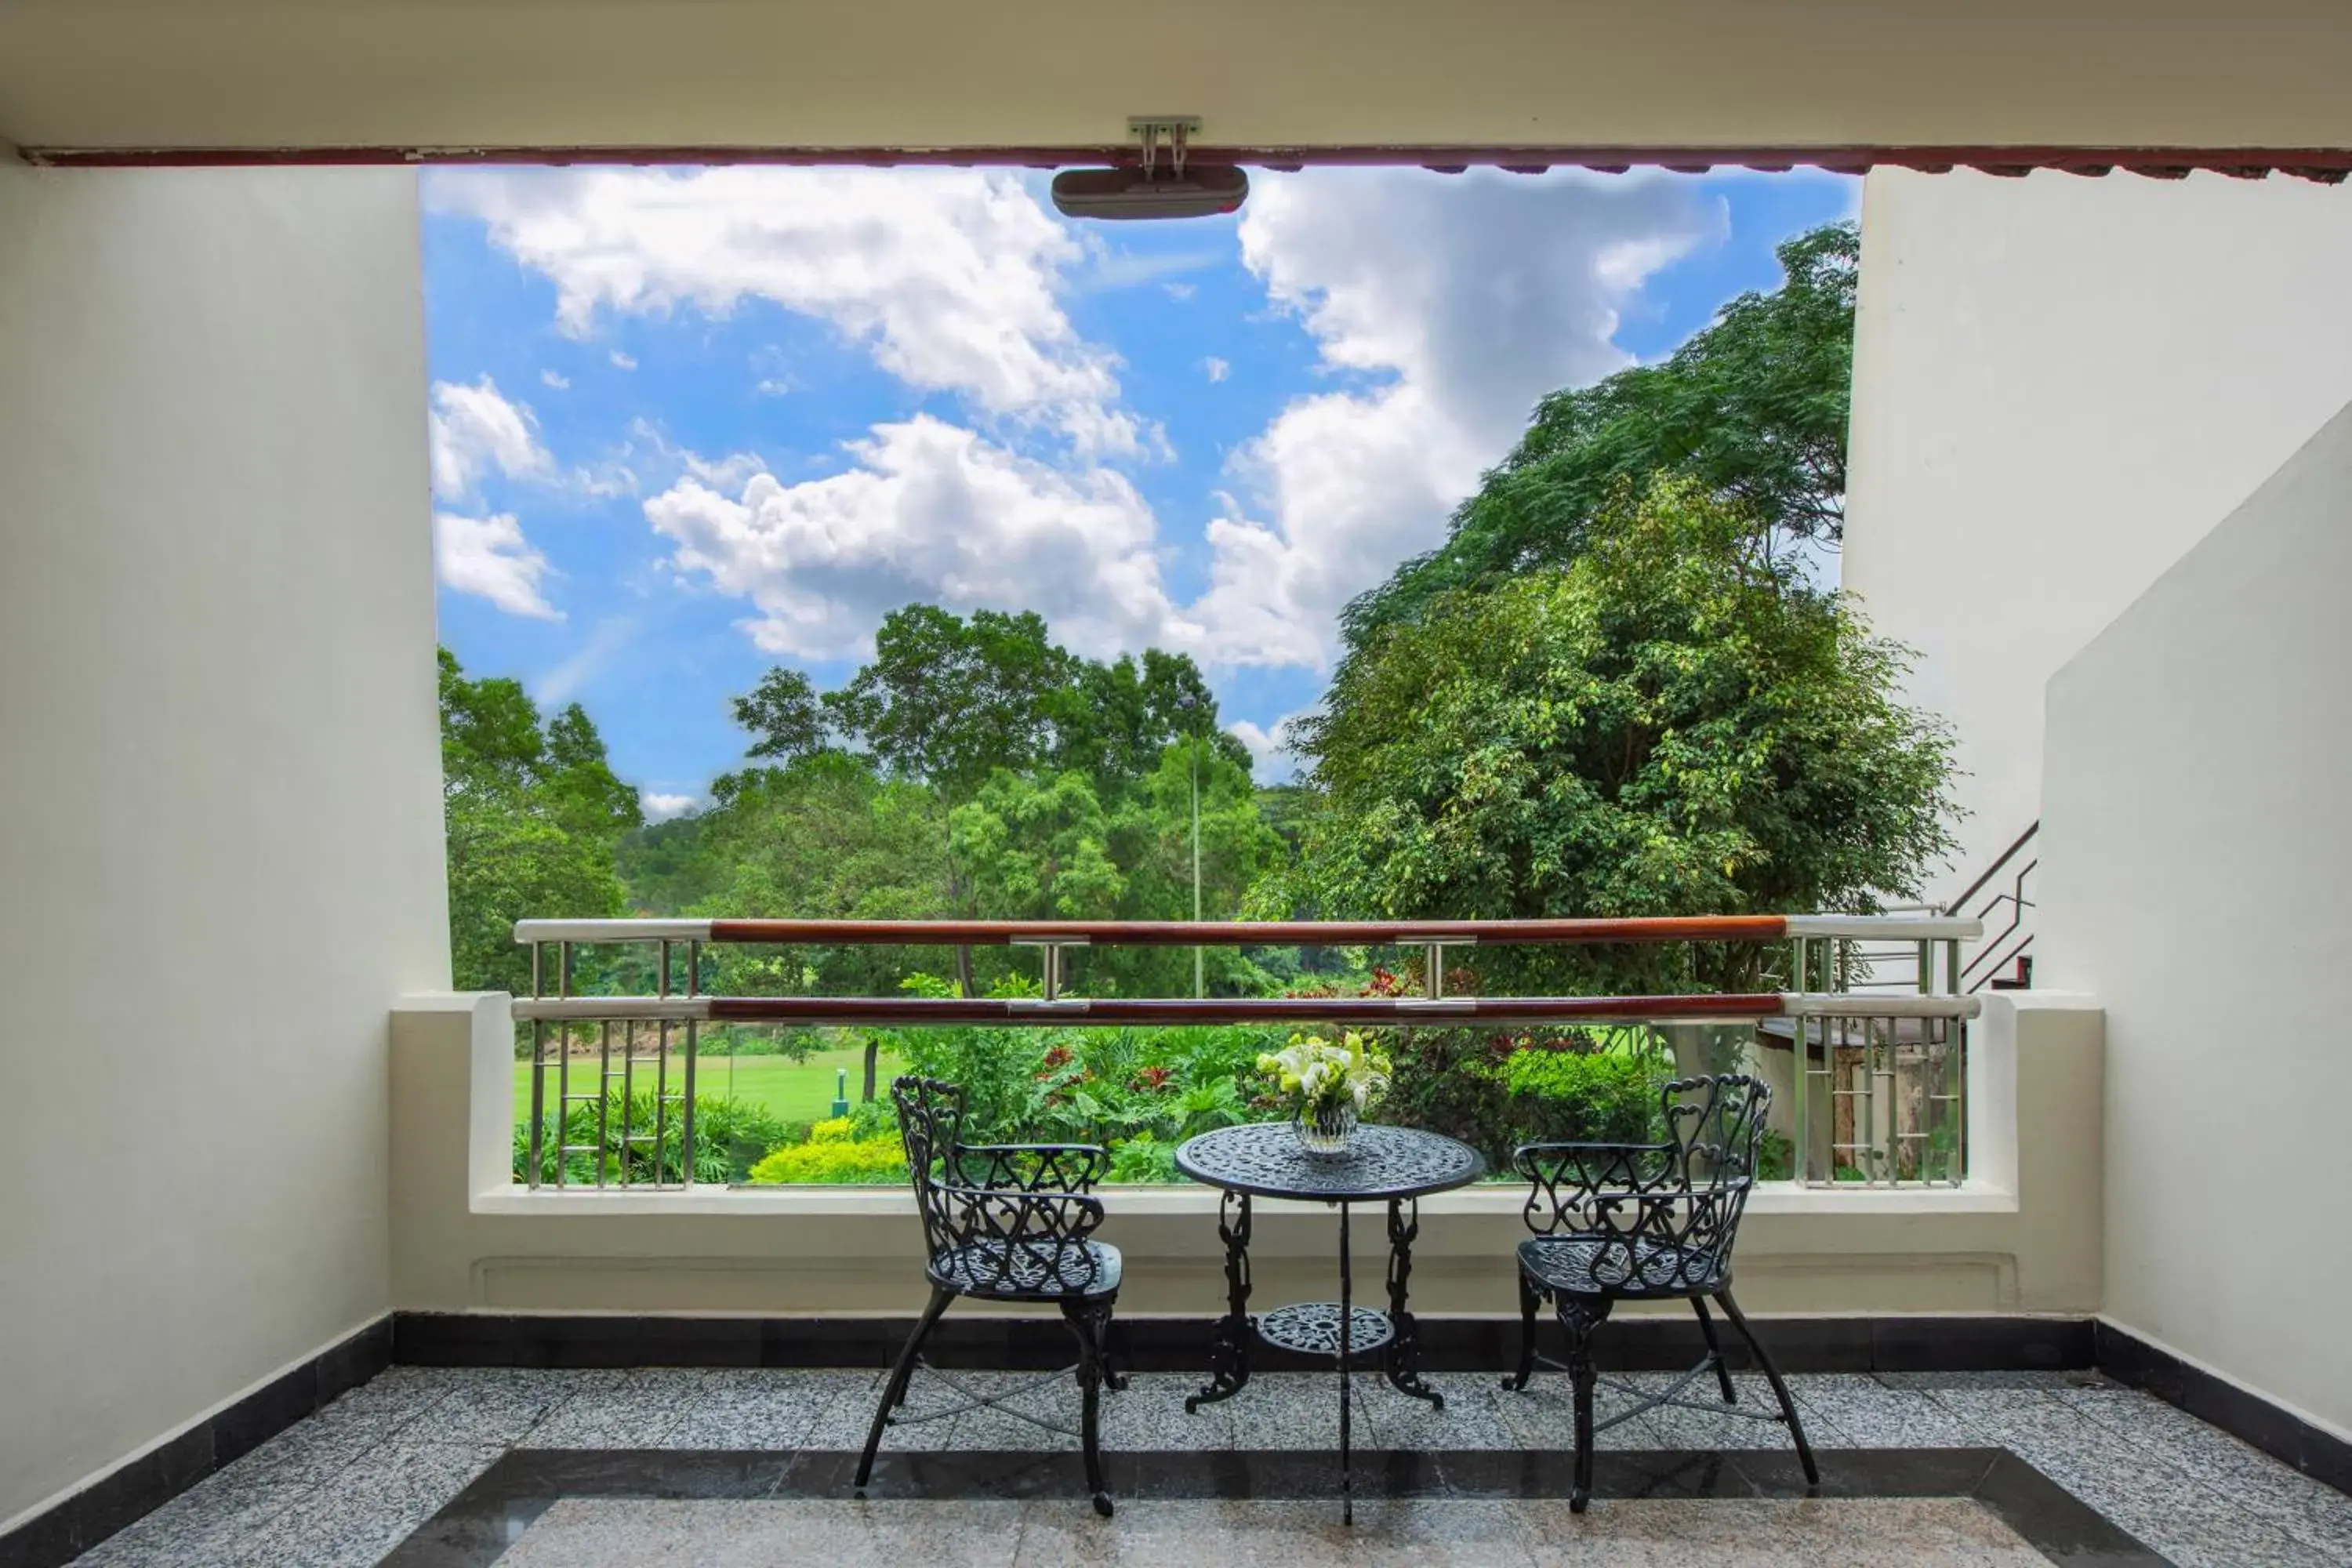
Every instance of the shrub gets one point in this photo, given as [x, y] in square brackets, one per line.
[1608, 1096]
[729, 1135]
[832, 1157]
[1145, 1158]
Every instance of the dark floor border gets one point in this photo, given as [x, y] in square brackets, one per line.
[486, 1519]
[2216, 1401]
[154, 1478]
[1181, 1344]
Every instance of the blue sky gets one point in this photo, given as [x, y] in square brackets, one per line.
[690, 424]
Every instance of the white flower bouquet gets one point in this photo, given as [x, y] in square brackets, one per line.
[1330, 1086]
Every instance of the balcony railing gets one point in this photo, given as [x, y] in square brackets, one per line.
[1872, 1088]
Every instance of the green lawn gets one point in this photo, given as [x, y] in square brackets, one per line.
[795, 1090]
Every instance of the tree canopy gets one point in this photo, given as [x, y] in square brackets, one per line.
[1752, 409]
[1670, 725]
[532, 811]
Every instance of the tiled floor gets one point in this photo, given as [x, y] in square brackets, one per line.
[356, 1481]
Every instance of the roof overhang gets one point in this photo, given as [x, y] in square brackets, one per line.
[2162, 86]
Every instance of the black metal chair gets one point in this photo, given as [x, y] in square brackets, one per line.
[1646, 1222]
[1004, 1222]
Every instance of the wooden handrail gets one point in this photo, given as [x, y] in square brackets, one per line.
[948, 1011]
[1245, 933]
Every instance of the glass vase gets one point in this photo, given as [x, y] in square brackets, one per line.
[1325, 1130]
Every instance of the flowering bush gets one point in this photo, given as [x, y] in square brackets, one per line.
[1321, 1075]
[835, 1154]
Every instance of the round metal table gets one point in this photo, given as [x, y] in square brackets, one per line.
[1395, 1166]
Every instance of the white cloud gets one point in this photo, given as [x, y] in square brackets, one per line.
[659, 808]
[624, 361]
[560, 382]
[773, 386]
[1179, 293]
[949, 278]
[928, 511]
[1270, 764]
[1443, 307]
[1466, 298]
[488, 557]
[475, 429]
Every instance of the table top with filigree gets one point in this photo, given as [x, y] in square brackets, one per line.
[1264, 1159]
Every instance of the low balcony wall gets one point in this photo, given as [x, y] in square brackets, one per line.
[2023, 1236]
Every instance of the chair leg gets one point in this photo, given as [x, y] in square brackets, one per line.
[1529, 1300]
[1089, 1321]
[902, 1373]
[1714, 1349]
[1113, 1379]
[1581, 1319]
[1779, 1388]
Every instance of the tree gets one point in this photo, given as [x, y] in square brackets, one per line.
[533, 815]
[1752, 410]
[948, 701]
[785, 716]
[823, 838]
[1037, 846]
[1668, 725]
[1115, 720]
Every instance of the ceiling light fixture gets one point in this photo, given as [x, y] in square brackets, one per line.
[1181, 189]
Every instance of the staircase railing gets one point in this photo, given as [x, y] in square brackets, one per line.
[2003, 958]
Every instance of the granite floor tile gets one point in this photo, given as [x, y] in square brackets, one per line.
[205, 1525]
[497, 1404]
[2129, 1481]
[840, 1422]
[368, 1509]
[2311, 1510]
[1406, 1533]
[1854, 1410]
[347, 1484]
[1049, 1396]
[638, 1410]
[1298, 1410]
[745, 1409]
[1473, 1417]
[1150, 1414]
[1146, 1533]
[616, 1534]
[1543, 1415]
[1737, 1426]
[1774, 1533]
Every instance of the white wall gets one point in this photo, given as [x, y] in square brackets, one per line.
[2059, 384]
[220, 842]
[2198, 875]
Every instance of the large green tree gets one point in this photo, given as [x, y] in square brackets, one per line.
[1670, 725]
[1752, 409]
[533, 813]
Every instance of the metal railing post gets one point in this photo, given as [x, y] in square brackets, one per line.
[538, 1144]
[686, 1113]
[1801, 1163]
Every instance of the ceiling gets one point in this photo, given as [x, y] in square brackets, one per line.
[2247, 83]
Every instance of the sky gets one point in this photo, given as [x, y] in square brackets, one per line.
[690, 424]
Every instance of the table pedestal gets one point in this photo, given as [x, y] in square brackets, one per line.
[1340, 1330]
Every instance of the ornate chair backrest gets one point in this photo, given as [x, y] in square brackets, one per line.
[930, 1126]
[1665, 1215]
[1006, 1227]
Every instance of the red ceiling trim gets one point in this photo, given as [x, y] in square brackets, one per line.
[2328, 165]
